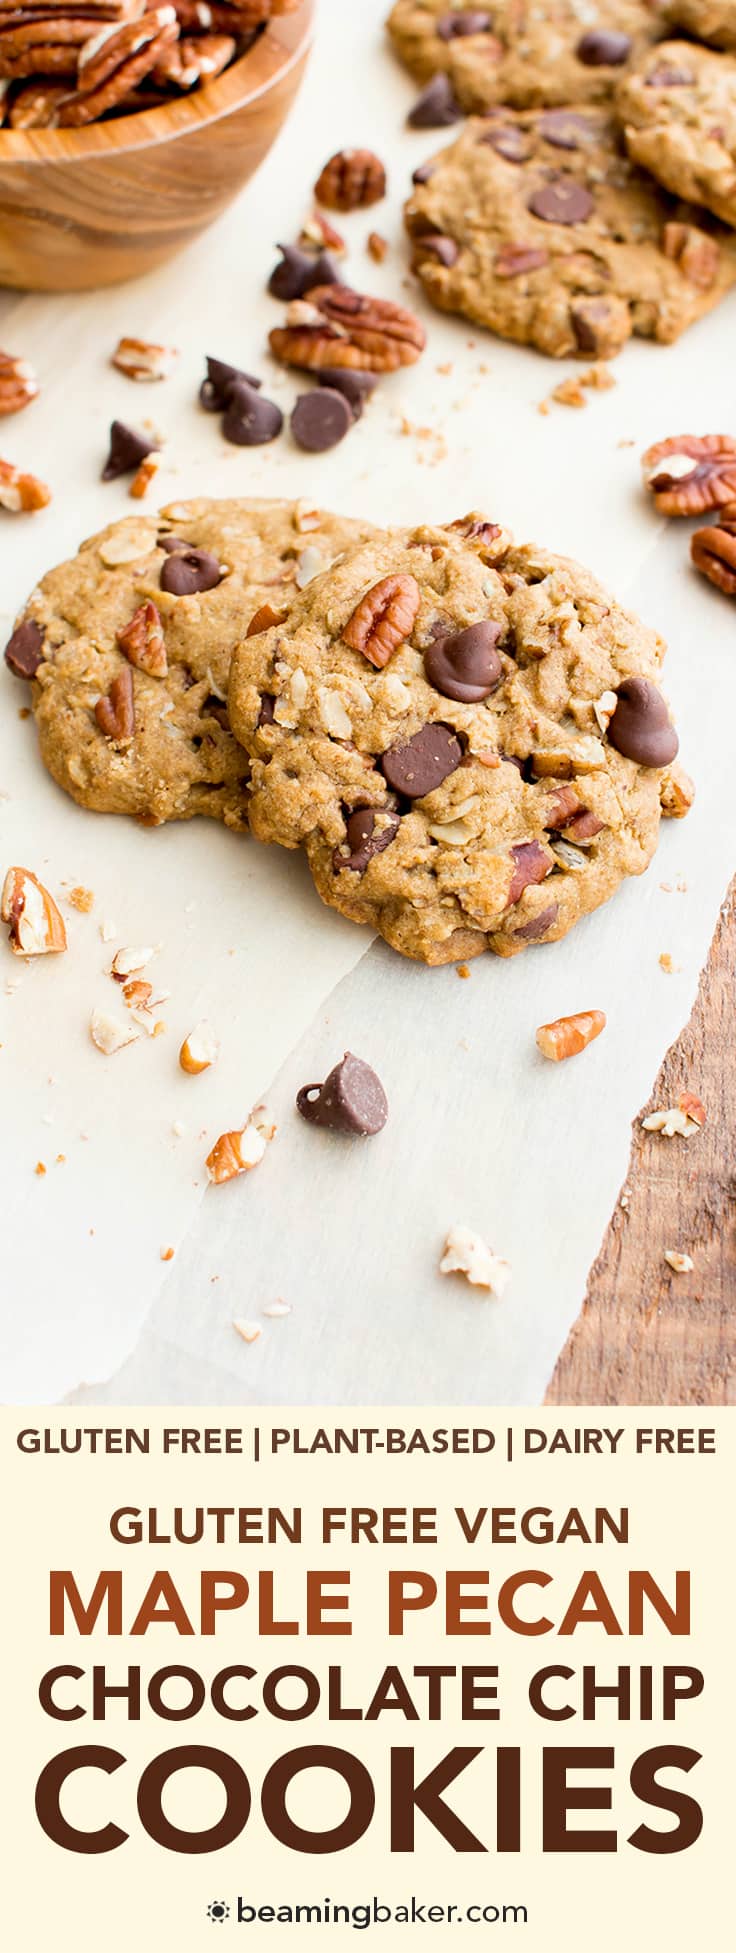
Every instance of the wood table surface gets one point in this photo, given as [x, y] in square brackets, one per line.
[645, 1334]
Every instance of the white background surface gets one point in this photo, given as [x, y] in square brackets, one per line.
[481, 1131]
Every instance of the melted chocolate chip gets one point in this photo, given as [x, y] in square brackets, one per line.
[469, 20]
[563, 201]
[508, 142]
[127, 450]
[565, 129]
[444, 249]
[422, 173]
[24, 650]
[250, 421]
[601, 49]
[352, 1100]
[266, 716]
[437, 106]
[187, 571]
[465, 665]
[356, 386]
[300, 271]
[321, 419]
[419, 765]
[214, 392]
[641, 728]
[363, 841]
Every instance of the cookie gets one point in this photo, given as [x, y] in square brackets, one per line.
[678, 109]
[467, 738]
[539, 227]
[709, 20]
[521, 53]
[132, 641]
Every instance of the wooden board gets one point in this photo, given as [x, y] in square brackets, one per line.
[645, 1334]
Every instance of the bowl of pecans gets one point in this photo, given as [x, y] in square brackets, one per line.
[126, 126]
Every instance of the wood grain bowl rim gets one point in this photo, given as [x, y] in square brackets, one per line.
[284, 43]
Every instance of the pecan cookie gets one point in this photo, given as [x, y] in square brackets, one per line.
[519, 52]
[467, 738]
[678, 108]
[541, 228]
[129, 645]
[708, 20]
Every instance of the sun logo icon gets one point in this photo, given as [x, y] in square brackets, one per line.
[218, 1911]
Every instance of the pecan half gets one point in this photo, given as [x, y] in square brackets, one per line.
[112, 63]
[384, 618]
[697, 255]
[713, 551]
[691, 473]
[115, 713]
[18, 384]
[186, 62]
[21, 494]
[341, 327]
[351, 180]
[142, 641]
[36, 105]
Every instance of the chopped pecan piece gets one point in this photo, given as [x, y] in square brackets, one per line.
[691, 472]
[697, 254]
[341, 327]
[21, 494]
[676, 789]
[567, 1036]
[384, 618]
[713, 551]
[531, 863]
[35, 926]
[18, 384]
[115, 713]
[142, 641]
[141, 359]
[264, 618]
[351, 180]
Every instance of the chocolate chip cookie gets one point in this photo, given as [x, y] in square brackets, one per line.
[678, 109]
[467, 738]
[709, 20]
[521, 53]
[541, 228]
[129, 645]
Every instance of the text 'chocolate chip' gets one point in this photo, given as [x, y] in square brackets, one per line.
[352, 1100]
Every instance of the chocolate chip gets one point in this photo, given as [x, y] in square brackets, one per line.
[187, 571]
[563, 201]
[363, 841]
[127, 451]
[666, 77]
[321, 419]
[214, 392]
[641, 728]
[564, 129]
[444, 249]
[214, 708]
[590, 318]
[352, 1100]
[422, 173]
[300, 271]
[457, 26]
[266, 716]
[171, 543]
[437, 106]
[531, 931]
[515, 260]
[600, 49]
[419, 765]
[466, 665]
[249, 420]
[357, 387]
[24, 650]
[508, 142]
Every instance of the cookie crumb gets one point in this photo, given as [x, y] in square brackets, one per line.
[248, 1331]
[377, 247]
[167, 1254]
[681, 1263]
[461, 970]
[277, 1309]
[466, 1253]
[81, 899]
[666, 963]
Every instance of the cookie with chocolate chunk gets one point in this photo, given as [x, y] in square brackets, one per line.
[678, 109]
[468, 739]
[128, 647]
[540, 227]
[713, 21]
[521, 53]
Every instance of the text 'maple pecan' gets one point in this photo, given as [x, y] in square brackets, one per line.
[384, 618]
[713, 550]
[691, 473]
[340, 327]
[21, 494]
[351, 180]
[18, 384]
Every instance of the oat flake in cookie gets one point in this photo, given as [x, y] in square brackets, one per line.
[129, 646]
[558, 240]
[522, 52]
[467, 738]
[678, 109]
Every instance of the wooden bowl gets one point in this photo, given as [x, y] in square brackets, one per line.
[86, 207]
